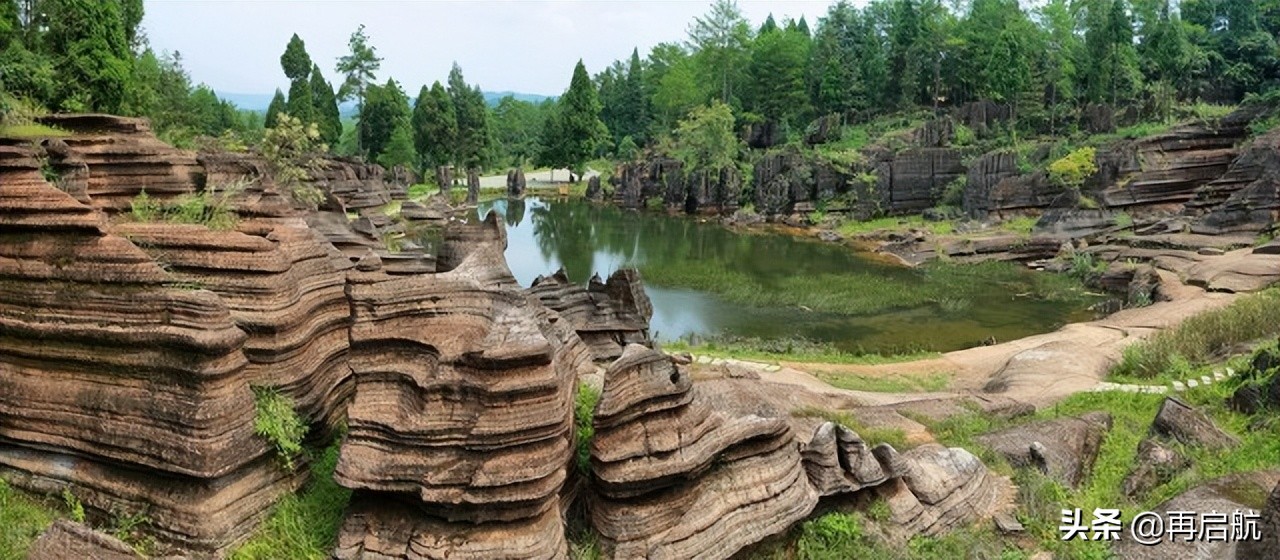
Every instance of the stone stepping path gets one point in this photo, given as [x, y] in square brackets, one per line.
[1176, 386]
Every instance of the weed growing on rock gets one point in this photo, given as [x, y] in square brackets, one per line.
[583, 415]
[73, 505]
[278, 422]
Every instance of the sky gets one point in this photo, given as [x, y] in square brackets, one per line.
[525, 46]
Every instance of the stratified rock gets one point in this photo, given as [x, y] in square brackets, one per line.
[444, 178]
[839, 461]
[129, 386]
[1155, 464]
[677, 479]
[938, 489]
[766, 134]
[463, 409]
[607, 316]
[1180, 421]
[1137, 283]
[68, 539]
[1167, 167]
[1269, 545]
[516, 182]
[1219, 274]
[1064, 448]
[1247, 197]
[473, 186]
[594, 191]
[982, 115]
[1243, 492]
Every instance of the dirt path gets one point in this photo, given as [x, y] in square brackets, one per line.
[542, 177]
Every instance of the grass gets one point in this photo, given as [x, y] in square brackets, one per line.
[791, 350]
[873, 436]
[904, 383]
[210, 208]
[32, 131]
[303, 525]
[1203, 338]
[1021, 225]
[841, 535]
[583, 414]
[22, 519]
[277, 421]
[896, 223]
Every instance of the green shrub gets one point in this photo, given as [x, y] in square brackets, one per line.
[210, 207]
[964, 136]
[74, 506]
[278, 422]
[1204, 337]
[834, 536]
[1086, 267]
[583, 414]
[1071, 170]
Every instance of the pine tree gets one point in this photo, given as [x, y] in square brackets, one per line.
[277, 106]
[575, 131]
[399, 147]
[297, 67]
[325, 108]
[472, 117]
[776, 69]
[384, 108]
[435, 127]
[89, 46]
[301, 104]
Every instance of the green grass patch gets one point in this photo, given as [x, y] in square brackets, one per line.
[913, 383]
[303, 525]
[32, 131]
[1204, 338]
[208, 208]
[583, 414]
[873, 436]
[842, 535]
[22, 519]
[896, 223]
[791, 350]
[277, 421]
[1021, 225]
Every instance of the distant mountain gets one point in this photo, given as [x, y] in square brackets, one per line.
[260, 101]
[493, 97]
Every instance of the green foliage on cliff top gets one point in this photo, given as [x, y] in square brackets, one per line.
[22, 519]
[303, 525]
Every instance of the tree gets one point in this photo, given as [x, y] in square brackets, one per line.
[1060, 59]
[89, 46]
[325, 108]
[517, 126]
[435, 127]
[297, 67]
[575, 129]
[384, 108]
[704, 141]
[301, 104]
[295, 61]
[277, 106]
[472, 117]
[358, 68]
[777, 71]
[1112, 75]
[399, 148]
[720, 39]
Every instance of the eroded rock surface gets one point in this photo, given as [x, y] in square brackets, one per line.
[677, 479]
[462, 411]
[1064, 448]
[606, 315]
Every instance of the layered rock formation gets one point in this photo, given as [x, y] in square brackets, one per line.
[460, 430]
[128, 385]
[676, 479]
[697, 192]
[606, 315]
[1247, 197]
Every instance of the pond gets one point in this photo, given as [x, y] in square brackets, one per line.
[706, 280]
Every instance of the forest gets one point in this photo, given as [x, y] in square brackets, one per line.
[765, 83]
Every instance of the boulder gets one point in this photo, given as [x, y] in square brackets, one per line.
[1155, 464]
[837, 461]
[1269, 545]
[938, 489]
[1063, 448]
[516, 183]
[823, 129]
[593, 188]
[1242, 492]
[68, 539]
[1180, 421]
[1259, 387]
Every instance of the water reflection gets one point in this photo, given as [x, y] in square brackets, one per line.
[684, 262]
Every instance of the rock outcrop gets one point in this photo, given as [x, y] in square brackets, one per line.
[1247, 197]
[461, 424]
[127, 382]
[1233, 493]
[698, 192]
[1269, 545]
[1064, 448]
[515, 182]
[1167, 168]
[676, 479]
[607, 316]
[68, 539]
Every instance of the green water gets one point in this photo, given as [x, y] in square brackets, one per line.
[705, 279]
